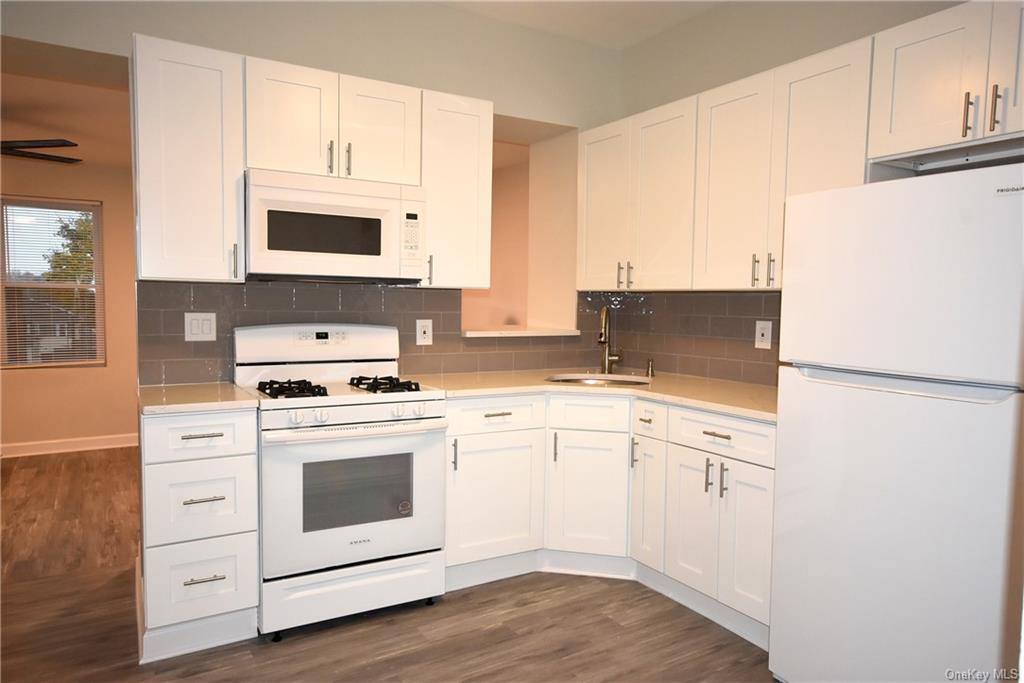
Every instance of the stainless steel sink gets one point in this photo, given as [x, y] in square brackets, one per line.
[599, 380]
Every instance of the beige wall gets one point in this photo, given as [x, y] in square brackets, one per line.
[86, 406]
[740, 39]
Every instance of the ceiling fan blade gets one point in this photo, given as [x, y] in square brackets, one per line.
[36, 144]
[39, 156]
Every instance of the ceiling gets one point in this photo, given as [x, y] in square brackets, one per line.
[614, 25]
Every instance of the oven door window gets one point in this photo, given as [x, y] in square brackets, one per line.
[323, 233]
[340, 493]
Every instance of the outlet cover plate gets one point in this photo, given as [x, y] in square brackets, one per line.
[200, 327]
[424, 332]
[763, 334]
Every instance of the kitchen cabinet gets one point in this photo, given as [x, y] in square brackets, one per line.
[819, 132]
[1006, 70]
[929, 81]
[189, 161]
[647, 502]
[691, 519]
[734, 125]
[662, 154]
[603, 207]
[458, 139]
[495, 495]
[587, 493]
[291, 117]
[380, 131]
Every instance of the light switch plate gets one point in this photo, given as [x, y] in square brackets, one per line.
[763, 334]
[424, 332]
[200, 327]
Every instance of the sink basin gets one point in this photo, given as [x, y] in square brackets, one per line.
[596, 380]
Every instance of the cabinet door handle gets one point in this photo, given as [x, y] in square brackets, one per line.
[629, 275]
[207, 579]
[968, 103]
[234, 260]
[348, 159]
[430, 269]
[647, 420]
[992, 120]
[771, 270]
[717, 435]
[722, 488]
[504, 413]
[707, 475]
[755, 264]
[455, 454]
[618, 275]
[556, 446]
[330, 158]
[209, 435]
[632, 454]
[197, 501]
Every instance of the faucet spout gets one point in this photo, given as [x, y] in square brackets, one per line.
[608, 357]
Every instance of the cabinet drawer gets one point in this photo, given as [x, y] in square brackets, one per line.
[650, 419]
[186, 501]
[495, 414]
[199, 579]
[730, 436]
[595, 413]
[190, 437]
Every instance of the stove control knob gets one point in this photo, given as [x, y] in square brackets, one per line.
[321, 415]
[421, 409]
[398, 410]
[296, 417]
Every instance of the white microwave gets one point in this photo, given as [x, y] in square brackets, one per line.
[307, 226]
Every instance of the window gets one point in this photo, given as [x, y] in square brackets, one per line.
[52, 283]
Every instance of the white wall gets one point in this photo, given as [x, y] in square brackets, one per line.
[526, 73]
[740, 39]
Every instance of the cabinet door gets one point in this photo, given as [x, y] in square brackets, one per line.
[819, 132]
[291, 117]
[495, 495]
[603, 207]
[691, 518]
[733, 164]
[380, 131]
[745, 537]
[929, 78]
[458, 142]
[189, 161]
[587, 492]
[662, 154]
[647, 502]
[1006, 70]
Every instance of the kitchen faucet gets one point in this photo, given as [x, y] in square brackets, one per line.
[608, 357]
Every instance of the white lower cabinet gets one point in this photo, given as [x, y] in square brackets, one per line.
[587, 482]
[647, 502]
[691, 524]
[495, 495]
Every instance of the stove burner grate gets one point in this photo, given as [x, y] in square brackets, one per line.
[298, 388]
[384, 385]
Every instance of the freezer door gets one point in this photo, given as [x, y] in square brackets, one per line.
[892, 524]
[921, 277]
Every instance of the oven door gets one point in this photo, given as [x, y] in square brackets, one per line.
[336, 496]
[313, 231]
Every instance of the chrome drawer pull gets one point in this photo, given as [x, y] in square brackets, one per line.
[197, 501]
[504, 413]
[717, 435]
[992, 120]
[707, 474]
[455, 454]
[722, 488]
[207, 579]
[211, 435]
[632, 454]
[647, 420]
[968, 103]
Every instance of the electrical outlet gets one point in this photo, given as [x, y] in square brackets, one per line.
[424, 332]
[763, 334]
[200, 327]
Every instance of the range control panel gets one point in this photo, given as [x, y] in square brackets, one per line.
[314, 337]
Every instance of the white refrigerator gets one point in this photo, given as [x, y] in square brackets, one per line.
[896, 542]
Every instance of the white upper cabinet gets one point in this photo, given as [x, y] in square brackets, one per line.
[189, 161]
[291, 117]
[458, 142]
[647, 502]
[1005, 113]
[928, 87]
[733, 167]
[603, 209]
[662, 154]
[819, 132]
[380, 131]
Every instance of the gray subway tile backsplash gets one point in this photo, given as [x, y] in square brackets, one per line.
[709, 335]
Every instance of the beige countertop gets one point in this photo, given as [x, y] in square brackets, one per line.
[755, 401]
[192, 398]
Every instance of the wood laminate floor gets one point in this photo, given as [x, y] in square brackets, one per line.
[69, 539]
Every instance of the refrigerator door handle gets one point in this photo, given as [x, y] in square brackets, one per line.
[948, 391]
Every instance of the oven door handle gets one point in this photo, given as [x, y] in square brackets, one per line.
[345, 432]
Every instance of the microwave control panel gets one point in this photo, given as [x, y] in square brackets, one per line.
[411, 235]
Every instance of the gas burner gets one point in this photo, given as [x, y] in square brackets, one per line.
[384, 385]
[299, 388]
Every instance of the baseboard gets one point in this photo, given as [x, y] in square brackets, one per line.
[459, 576]
[84, 443]
[585, 564]
[200, 634]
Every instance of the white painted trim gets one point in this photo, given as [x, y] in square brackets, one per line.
[584, 564]
[459, 576]
[199, 634]
[84, 443]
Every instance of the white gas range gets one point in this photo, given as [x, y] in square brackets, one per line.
[351, 472]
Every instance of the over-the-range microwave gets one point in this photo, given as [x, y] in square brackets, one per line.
[315, 227]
